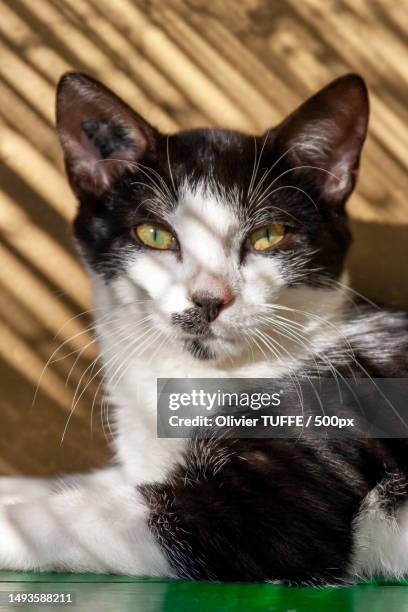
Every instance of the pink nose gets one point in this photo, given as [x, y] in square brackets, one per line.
[211, 293]
[209, 306]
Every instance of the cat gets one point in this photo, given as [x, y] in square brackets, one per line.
[216, 254]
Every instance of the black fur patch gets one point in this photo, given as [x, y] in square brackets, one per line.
[273, 509]
[106, 135]
[191, 321]
[224, 160]
[255, 510]
[198, 350]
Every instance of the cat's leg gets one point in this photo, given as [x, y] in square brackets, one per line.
[90, 528]
[381, 532]
[14, 489]
[17, 488]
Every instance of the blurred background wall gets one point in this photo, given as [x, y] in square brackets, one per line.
[240, 64]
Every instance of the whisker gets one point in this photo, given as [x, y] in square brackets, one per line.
[291, 373]
[302, 167]
[77, 397]
[314, 317]
[254, 168]
[80, 314]
[259, 203]
[346, 288]
[155, 335]
[169, 167]
[129, 353]
[266, 174]
[257, 163]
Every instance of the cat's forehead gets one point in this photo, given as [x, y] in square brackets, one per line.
[212, 209]
[224, 157]
[211, 168]
[212, 141]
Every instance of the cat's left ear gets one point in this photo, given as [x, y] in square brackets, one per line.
[101, 135]
[328, 132]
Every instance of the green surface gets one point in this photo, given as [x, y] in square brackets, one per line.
[121, 593]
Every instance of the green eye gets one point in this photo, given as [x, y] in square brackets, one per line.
[267, 236]
[155, 236]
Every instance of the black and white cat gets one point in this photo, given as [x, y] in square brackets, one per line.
[216, 254]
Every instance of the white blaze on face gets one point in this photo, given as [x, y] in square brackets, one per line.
[211, 239]
[207, 230]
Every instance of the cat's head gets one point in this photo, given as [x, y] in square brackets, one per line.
[213, 234]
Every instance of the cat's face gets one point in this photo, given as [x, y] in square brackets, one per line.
[214, 234]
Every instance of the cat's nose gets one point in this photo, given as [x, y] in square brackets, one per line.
[209, 306]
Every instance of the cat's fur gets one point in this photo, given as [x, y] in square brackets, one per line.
[310, 512]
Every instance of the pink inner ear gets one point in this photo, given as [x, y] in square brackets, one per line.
[336, 151]
[100, 149]
[328, 132]
[101, 136]
[91, 170]
[339, 182]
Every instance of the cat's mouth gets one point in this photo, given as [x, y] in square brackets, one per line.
[199, 336]
[206, 346]
[210, 341]
[192, 324]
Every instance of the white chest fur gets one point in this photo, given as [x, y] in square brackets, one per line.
[144, 456]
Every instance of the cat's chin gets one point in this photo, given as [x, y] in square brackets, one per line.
[200, 350]
[208, 348]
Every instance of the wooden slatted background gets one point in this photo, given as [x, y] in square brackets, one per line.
[241, 64]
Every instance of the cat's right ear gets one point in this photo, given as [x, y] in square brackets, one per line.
[101, 136]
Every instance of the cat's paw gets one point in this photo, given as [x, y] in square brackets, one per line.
[11, 542]
[11, 490]
[14, 489]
